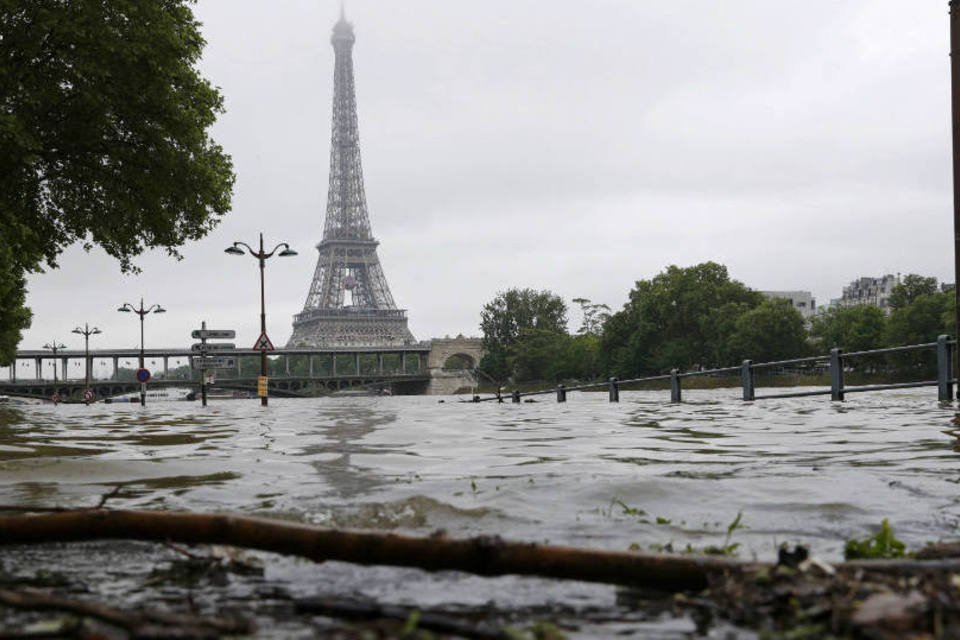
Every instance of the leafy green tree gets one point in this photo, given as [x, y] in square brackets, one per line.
[554, 357]
[504, 320]
[14, 315]
[772, 331]
[722, 326]
[594, 315]
[104, 123]
[580, 359]
[538, 355]
[911, 287]
[923, 319]
[680, 318]
[856, 328]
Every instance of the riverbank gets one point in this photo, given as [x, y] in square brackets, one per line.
[126, 589]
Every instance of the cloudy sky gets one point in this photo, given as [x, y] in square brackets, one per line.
[570, 145]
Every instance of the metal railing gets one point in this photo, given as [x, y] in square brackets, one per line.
[834, 362]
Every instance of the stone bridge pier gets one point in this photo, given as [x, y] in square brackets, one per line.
[451, 363]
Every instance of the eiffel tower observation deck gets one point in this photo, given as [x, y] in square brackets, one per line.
[349, 304]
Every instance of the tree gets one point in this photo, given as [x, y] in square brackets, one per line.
[594, 316]
[538, 355]
[14, 316]
[911, 287]
[580, 359]
[680, 318]
[104, 124]
[772, 331]
[857, 328]
[504, 320]
[923, 319]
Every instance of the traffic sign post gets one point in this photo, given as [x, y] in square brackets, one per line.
[203, 348]
[218, 362]
[213, 346]
[213, 334]
[263, 345]
[143, 375]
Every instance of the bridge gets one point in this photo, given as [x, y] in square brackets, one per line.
[436, 367]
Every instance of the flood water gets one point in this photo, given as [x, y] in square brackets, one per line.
[642, 473]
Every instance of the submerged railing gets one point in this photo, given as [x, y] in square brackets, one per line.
[834, 362]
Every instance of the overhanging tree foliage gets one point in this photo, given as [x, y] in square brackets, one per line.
[104, 123]
[14, 316]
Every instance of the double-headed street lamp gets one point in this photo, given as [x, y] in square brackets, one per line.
[54, 347]
[154, 308]
[86, 332]
[261, 256]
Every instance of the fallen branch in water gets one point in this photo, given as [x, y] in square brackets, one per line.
[487, 556]
[367, 610]
[146, 624]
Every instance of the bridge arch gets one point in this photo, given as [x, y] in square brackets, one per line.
[459, 362]
[464, 350]
[451, 363]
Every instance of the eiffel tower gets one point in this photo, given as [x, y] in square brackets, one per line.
[349, 304]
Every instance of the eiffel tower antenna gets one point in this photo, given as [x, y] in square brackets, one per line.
[343, 12]
[349, 303]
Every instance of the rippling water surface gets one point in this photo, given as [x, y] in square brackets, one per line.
[587, 473]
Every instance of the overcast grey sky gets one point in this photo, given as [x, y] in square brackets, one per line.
[566, 145]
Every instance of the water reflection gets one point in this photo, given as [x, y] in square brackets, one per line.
[342, 430]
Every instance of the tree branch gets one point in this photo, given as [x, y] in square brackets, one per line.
[488, 556]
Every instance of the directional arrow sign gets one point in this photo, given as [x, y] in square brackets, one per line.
[213, 334]
[220, 362]
[213, 346]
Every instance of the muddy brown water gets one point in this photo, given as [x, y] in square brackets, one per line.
[639, 474]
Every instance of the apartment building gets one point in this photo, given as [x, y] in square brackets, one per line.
[802, 301]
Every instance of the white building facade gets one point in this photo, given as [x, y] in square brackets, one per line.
[802, 301]
[866, 290]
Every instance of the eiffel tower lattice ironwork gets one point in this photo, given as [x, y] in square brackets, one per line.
[349, 304]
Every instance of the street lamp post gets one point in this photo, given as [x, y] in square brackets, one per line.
[54, 347]
[86, 332]
[955, 120]
[154, 308]
[261, 257]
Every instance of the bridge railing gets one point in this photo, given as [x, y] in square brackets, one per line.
[836, 364]
[180, 364]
